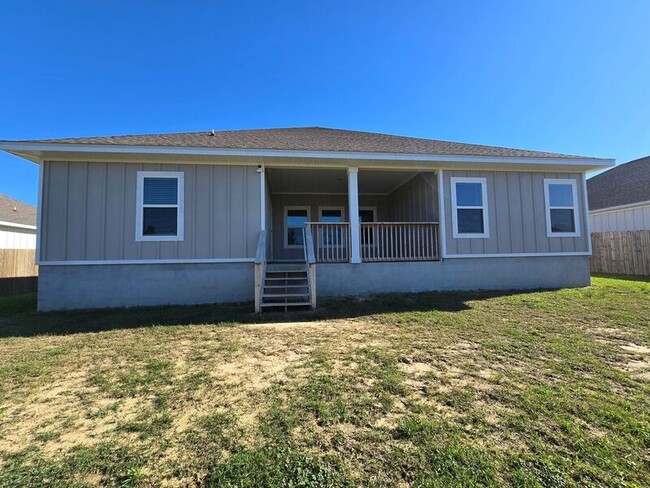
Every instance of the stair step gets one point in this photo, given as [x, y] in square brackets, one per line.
[285, 295]
[292, 271]
[286, 286]
[287, 278]
[288, 304]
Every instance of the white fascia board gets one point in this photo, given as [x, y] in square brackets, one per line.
[19, 147]
[18, 226]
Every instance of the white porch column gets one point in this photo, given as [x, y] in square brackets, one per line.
[260, 170]
[353, 207]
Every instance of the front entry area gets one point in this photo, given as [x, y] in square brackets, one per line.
[340, 216]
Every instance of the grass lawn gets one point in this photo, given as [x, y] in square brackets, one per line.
[435, 389]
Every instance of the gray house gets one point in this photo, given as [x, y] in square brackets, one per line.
[282, 216]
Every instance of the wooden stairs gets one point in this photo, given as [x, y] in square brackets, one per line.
[285, 286]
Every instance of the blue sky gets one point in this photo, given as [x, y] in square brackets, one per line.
[563, 76]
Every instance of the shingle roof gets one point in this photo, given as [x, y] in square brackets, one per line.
[309, 139]
[622, 185]
[16, 212]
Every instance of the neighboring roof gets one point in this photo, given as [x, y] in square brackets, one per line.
[307, 139]
[16, 212]
[624, 184]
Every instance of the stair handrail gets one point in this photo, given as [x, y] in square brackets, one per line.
[308, 240]
[310, 257]
[260, 267]
[260, 255]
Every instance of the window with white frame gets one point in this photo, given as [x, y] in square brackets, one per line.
[331, 235]
[561, 207]
[159, 209]
[367, 215]
[295, 220]
[469, 207]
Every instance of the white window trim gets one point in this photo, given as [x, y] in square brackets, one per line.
[576, 215]
[321, 231]
[454, 208]
[180, 205]
[341, 208]
[286, 227]
[374, 212]
[373, 232]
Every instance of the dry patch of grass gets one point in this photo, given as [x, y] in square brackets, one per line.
[545, 388]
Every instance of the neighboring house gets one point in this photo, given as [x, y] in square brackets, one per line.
[283, 215]
[619, 199]
[17, 224]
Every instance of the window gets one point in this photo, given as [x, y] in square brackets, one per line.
[295, 219]
[330, 214]
[331, 235]
[469, 207]
[367, 215]
[561, 208]
[159, 214]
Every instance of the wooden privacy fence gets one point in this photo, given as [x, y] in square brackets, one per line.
[18, 271]
[626, 252]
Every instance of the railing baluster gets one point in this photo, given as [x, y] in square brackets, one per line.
[390, 241]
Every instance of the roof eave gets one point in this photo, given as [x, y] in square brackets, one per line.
[5, 223]
[37, 152]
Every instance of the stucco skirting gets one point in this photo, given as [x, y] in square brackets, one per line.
[506, 273]
[96, 286]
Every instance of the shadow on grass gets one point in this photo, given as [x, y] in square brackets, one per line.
[18, 316]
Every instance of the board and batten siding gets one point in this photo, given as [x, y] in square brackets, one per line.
[416, 200]
[314, 202]
[89, 212]
[516, 215]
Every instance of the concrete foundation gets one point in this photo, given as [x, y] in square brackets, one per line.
[508, 273]
[116, 285]
[97, 286]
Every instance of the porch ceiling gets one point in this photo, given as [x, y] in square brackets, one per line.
[285, 180]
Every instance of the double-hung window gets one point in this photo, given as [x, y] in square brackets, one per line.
[159, 209]
[469, 207]
[561, 208]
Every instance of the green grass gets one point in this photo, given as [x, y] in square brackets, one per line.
[545, 388]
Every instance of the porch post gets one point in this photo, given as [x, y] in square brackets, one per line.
[260, 170]
[353, 208]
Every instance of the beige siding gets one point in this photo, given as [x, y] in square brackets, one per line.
[89, 212]
[416, 200]
[517, 215]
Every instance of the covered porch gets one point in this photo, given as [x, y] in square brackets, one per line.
[352, 215]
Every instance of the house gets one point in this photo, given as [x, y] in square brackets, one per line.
[17, 224]
[283, 216]
[619, 199]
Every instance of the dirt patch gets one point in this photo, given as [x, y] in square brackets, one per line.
[636, 348]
